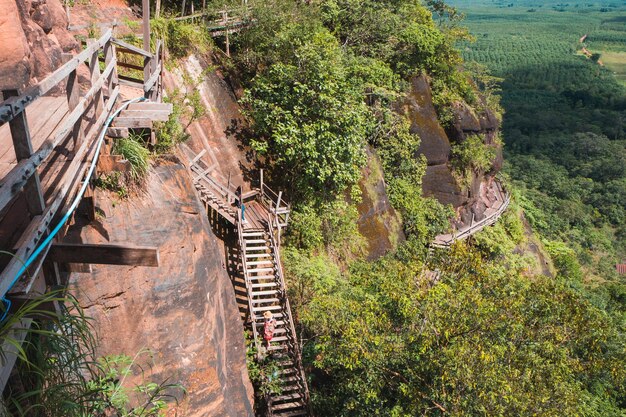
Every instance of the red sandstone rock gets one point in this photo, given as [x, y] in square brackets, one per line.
[15, 65]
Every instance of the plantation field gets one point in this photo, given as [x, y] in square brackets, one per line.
[616, 62]
[565, 115]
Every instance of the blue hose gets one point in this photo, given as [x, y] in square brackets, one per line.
[67, 215]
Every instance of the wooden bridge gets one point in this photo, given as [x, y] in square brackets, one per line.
[51, 137]
[266, 214]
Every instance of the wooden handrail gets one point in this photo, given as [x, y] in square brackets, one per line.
[17, 177]
[488, 221]
[10, 108]
[242, 248]
[273, 225]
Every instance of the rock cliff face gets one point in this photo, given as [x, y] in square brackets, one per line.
[184, 311]
[34, 36]
[436, 145]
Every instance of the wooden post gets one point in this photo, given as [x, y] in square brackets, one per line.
[94, 72]
[227, 37]
[280, 194]
[73, 98]
[261, 182]
[157, 9]
[228, 188]
[182, 13]
[109, 56]
[20, 134]
[147, 62]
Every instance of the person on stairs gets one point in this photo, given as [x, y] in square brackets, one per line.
[268, 328]
[239, 202]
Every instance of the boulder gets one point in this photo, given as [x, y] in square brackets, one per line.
[41, 15]
[489, 121]
[465, 119]
[15, 63]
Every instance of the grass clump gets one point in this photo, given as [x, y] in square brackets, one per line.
[133, 150]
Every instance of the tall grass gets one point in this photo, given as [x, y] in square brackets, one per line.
[133, 150]
[59, 374]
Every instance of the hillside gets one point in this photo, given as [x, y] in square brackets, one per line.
[321, 208]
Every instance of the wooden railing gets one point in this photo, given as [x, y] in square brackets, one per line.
[242, 248]
[475, 227]
[274, 203]
[84, 121]
[274, 227]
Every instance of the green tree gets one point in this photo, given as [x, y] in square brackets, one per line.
[310, 119]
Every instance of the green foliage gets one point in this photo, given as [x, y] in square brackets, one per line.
[565, 260]
[470, 156]
[331, 226]
[114, 182]
[310, 119]
[263, 372]
[58, 372]
[483, 340]
[181, 38]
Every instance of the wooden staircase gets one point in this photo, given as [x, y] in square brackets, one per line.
[266, 292]
[264, 280]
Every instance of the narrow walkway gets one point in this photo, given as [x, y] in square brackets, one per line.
[259, 252]
[492, 214]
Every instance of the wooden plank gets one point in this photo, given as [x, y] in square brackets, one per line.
[19, 175]
[117, 132]
[130, 81]
[11, 108]
[131, 48]
[135, 123]
[44, 222]
[17, 333]
[144, 105]
[154, 115]
[23, 148]
[152, 80]
[109, 254]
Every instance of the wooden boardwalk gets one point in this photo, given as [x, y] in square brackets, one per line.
[266, 214]
[492, 214]
[50, 136]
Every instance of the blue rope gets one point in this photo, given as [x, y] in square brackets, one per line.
[67, 215]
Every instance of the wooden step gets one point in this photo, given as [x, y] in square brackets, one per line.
[257, 270]
[297, 413]
[264, 285]
[274, 347]
[260, 277]
[264, 300]
[290, 388]
[266, 308]
[253, 234]
[255, 248]
[255, 241]
[151, 106]
[268, 292]
[262, 262]
[154, 115]
[288, 397]
[287, 406]
[258, 255]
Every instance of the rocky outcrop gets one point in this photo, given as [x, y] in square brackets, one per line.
[473, 198]
[34, 36]
[183, 311]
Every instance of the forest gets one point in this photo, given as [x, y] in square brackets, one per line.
[486, 339]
